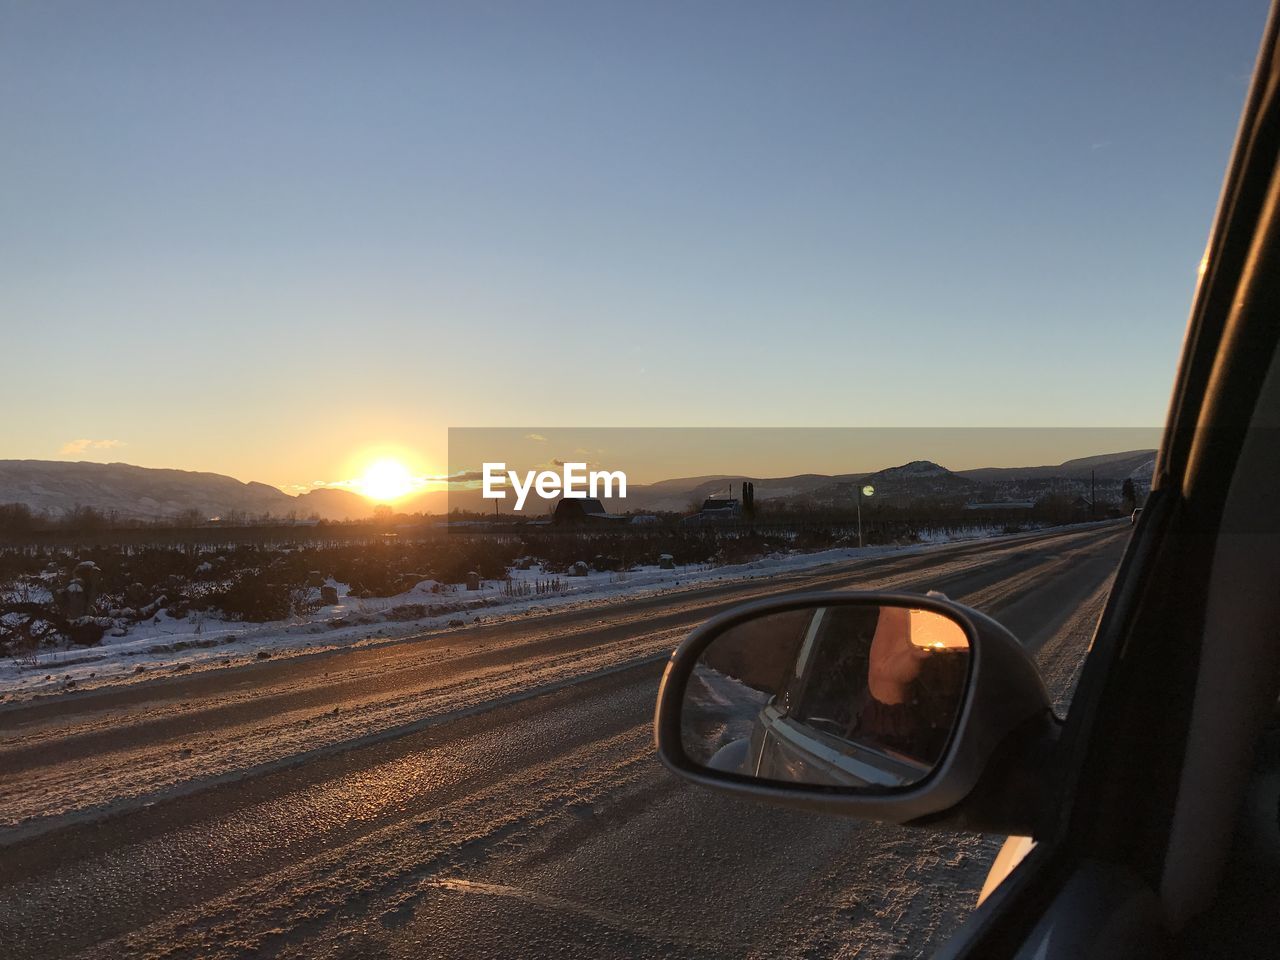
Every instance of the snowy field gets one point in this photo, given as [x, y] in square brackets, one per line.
[166, 645]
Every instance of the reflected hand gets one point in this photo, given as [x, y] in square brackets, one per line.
[895, 660]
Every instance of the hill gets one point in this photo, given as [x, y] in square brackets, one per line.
[142, 493]
[133, 492]
[1137, 464]
[145, 493]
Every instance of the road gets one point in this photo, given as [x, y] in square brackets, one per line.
[490, 791]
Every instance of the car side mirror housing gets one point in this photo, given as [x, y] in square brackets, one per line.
[891, 707]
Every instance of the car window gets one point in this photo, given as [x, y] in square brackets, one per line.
[836, 664]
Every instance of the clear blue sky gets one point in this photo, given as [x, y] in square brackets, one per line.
[259, 238]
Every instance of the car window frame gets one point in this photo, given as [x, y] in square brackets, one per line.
[1194, 465]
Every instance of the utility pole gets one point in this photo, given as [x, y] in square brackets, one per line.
[1093, 495]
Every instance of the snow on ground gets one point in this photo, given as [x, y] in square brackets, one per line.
[168, 645]
[720, 710]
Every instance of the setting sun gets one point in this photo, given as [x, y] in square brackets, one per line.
[385, 480]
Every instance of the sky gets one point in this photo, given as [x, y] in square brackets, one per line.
[652, 454]
[277, 240]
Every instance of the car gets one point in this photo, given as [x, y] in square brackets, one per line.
[1143, 823]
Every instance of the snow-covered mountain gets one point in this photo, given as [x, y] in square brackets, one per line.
[144, 493]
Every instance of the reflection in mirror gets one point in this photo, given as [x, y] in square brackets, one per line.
[855, 695]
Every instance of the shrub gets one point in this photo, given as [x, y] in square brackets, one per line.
[254, 599]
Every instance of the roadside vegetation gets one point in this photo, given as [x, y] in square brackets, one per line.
[74, 580]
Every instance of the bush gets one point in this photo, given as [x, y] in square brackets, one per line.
[252, 598]
[26, 627]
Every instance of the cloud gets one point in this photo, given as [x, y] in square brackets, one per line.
[80, 446]
[539, 438]
[462, 476]
[420, 484]
[559, 462]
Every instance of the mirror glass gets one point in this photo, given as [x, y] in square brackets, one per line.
[853, 695]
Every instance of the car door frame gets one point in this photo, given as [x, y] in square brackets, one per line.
[1137, 690]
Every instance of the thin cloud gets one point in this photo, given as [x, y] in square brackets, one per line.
[80, 446]
[420, 483]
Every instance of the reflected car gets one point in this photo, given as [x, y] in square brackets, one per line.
[824, 727]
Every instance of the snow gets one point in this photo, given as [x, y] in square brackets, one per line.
[165, 645]
[989, 532]
[719, 710]
[27, 592]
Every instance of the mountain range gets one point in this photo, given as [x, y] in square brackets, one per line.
[914, 480]
[57, 487]
[144, 493]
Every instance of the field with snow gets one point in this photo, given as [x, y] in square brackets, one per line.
[163, 645]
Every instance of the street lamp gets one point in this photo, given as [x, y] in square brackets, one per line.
[864, 491]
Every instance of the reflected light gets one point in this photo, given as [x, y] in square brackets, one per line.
[936, 632]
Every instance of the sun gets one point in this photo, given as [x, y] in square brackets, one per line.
[385, 480]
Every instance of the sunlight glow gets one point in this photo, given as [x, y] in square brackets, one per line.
[934, 631]
[386, 480]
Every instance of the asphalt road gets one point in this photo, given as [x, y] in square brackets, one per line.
[484, 792]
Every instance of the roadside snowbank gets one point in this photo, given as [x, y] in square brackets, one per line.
[166, 645]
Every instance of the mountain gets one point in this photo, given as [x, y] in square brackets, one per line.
[1103, 476]
[1137, 464]
[144, 493]
[331, 503]
[133, 492]
[918, 479]
[921, 478]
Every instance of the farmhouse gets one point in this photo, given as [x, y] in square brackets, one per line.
[578, 511]
[717, 510]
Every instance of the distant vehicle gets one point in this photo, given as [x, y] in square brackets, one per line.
[1133, 517]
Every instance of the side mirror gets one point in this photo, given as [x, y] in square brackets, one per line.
[882, 706]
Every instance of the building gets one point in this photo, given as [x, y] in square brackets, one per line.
[579, 511]
[717, 510]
